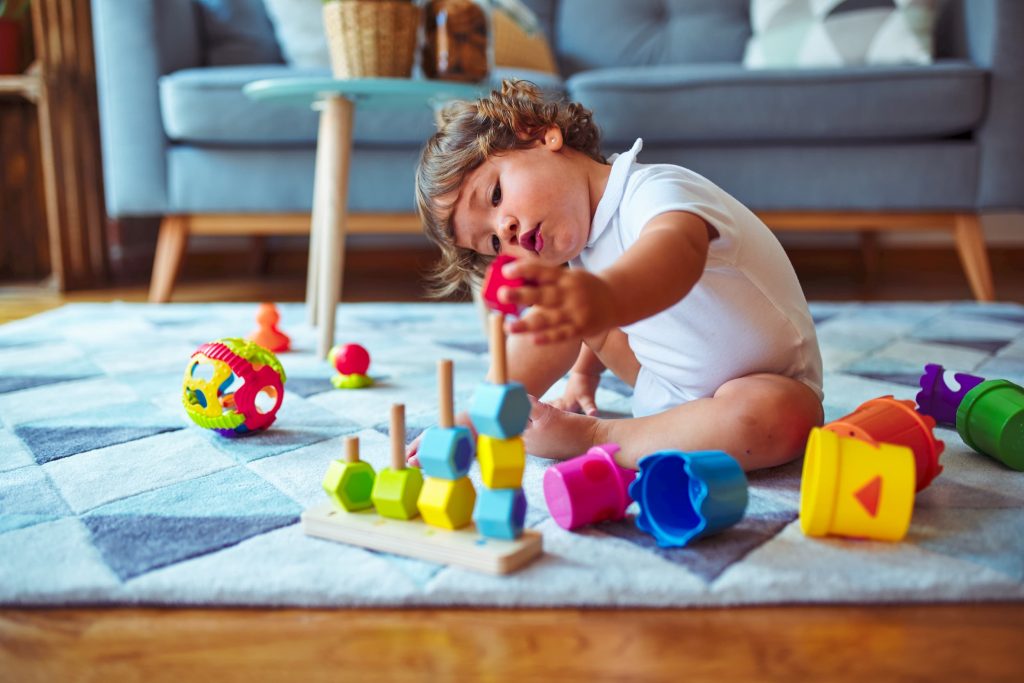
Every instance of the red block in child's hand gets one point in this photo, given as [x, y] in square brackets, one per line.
[494, 280]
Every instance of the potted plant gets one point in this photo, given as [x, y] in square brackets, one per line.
[11, 14]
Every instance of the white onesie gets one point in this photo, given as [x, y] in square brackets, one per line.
[746, 314]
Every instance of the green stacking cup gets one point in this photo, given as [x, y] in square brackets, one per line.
[990, 420]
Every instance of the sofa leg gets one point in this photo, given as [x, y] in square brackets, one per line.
[170, 248]
[970, 245]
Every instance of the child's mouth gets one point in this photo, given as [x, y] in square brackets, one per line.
[533, 240]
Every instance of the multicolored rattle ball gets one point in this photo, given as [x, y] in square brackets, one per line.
[207, 390]
[351, 361]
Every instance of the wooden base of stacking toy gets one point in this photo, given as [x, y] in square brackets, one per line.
[414, 538]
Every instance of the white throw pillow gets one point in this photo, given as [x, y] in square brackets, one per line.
[299, 28]
[834, 33]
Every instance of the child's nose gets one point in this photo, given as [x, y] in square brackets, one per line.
[509, 230]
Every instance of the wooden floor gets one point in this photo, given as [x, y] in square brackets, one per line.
[966, 642]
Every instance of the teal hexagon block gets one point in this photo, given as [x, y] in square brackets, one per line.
[446, 453]
[500, 410]
[500, 513]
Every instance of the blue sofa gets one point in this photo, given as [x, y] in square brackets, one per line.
[866, 148]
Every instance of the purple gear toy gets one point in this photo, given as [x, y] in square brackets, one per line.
[937, 399]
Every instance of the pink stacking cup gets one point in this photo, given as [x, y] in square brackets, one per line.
[588, 489]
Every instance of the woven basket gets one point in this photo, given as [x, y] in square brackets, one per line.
[371, 38]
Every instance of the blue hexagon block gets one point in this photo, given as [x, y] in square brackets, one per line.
[500, 410]
[500, 513]
[446, 453]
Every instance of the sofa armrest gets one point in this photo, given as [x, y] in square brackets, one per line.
[992, 35]
[136, 42]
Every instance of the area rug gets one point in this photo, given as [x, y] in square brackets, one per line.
[110, 495]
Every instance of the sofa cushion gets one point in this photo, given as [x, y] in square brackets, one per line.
[725, 102]
[207, 106]
[799, 33]
[593, 34]
[237, 32]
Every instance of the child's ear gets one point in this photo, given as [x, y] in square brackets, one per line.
[553, 139]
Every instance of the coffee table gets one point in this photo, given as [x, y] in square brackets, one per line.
[338, 101]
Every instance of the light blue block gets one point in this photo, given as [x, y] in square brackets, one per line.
[500, 410]
[446, 453]
[500, 513]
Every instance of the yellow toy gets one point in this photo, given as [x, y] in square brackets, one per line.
[852, 488]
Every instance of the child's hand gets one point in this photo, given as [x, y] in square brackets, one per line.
[579, 394]
[566, 303]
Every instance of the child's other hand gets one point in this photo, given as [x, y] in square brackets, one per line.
[412, 450]
[579, 394]
[565, 303]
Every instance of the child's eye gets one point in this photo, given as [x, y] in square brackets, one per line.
[496, 194]
[496, 243]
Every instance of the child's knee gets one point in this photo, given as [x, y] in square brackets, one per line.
[772, 417]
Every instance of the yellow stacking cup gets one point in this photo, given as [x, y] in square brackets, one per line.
[852, 488]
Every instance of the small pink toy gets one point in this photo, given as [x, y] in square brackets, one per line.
[940, 401]
[211, 397]
[589, 488]
[494, 280]
[351, 361]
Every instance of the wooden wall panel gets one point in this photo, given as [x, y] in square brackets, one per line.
[69, 124]
[23, 237]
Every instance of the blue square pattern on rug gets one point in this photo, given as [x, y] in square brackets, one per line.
[110, 495]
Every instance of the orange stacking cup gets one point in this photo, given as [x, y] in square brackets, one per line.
[887, 420]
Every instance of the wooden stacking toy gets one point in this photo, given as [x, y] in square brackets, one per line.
[397, 489]
[991, 421]
[888, 420]
[853, 488]
[686, 496]
[445, 454]
[588, 489]
[499, 412]
[441, 532]
[349, 482]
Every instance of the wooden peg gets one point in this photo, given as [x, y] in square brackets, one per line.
[351, 449]
[499, 371]
[397, 436]
[444, 386]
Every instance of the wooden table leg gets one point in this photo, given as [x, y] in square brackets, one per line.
[316, 222]
[335, 143]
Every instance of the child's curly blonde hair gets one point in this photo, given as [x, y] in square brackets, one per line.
[468, 134]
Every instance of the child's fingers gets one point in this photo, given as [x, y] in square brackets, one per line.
[536, 320]
[587, 405]
[526, 295]
[537, 272]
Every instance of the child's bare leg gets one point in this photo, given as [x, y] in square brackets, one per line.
[761, 420]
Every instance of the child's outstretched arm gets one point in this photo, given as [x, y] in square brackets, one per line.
[656, 272]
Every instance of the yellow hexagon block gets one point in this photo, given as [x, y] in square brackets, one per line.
[501, 461]
[447, 503]
[395, 492]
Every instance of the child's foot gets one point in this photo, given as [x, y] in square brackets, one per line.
[554, 433]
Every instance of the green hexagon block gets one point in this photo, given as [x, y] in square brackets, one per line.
[395, 493]
[349, 484]
[500, 410]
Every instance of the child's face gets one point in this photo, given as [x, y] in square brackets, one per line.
[531, 203]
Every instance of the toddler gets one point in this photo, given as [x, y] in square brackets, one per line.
[672, 284]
